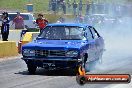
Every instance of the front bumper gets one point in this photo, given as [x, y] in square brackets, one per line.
[51, 59]
[54, 62]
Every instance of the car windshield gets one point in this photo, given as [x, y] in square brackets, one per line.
[62, 33]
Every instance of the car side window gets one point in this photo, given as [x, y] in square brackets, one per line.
[12, 16]
[95, 34]
[25, 17]
[31, 17]
[89, 34]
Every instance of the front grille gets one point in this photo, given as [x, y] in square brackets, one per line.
[43, 53]
[50, 53]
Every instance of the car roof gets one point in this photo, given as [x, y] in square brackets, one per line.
[68, 24]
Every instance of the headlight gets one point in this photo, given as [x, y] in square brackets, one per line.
[72, 54]
[28, 52]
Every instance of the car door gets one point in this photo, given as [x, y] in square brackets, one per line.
[99, 43]
[91, 43]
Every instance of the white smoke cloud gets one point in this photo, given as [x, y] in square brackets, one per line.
[118, 44]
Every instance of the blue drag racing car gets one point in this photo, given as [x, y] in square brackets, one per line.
[65, 45]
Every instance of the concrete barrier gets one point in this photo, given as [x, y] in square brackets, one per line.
[8, 48]
[14, 35]
[29, 36]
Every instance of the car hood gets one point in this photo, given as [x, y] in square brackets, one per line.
[55, 44]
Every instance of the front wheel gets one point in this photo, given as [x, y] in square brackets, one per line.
[82, 64]
[31, 67]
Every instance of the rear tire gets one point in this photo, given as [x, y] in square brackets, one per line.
[31, 67]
